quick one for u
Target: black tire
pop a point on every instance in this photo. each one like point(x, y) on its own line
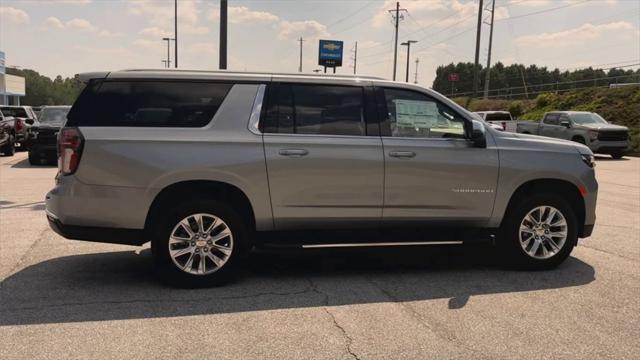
point(165, 267)
point(513, 253)
point(580, 140)
point(33, 158)
point(617, 155)
point(10, 148)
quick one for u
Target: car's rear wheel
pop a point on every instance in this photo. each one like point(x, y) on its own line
point(580, 140)
point(539, 232)
point(617, 155)
point(199, 243)
point(10, 147)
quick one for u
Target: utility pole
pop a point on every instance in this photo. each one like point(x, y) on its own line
point(396, 17)
point(408, 45)
point(168, 40)
point(301, 40)
point(175, 33)
point(476, 63)
point(355, 58)
point(488, 70)
point(223, 34)
point(415, 81)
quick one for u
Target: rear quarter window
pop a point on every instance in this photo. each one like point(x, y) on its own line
point(148, 103)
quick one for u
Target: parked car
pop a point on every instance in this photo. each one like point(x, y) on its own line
point(7, 143)
point(501, 120)
point(43, 145)
point(20, 119)
point(205, 165)
point(583, 127)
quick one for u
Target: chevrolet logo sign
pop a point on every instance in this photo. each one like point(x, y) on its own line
point(331, 46)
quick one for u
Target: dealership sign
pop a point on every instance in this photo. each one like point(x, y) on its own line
point(330, 53)
point(454, 77)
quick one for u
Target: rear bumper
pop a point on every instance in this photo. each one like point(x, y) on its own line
point(47, 151)
point(96, 234)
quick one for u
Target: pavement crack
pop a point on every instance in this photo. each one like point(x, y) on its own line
point(26, 253)
point(348, 339)
point(153, 301)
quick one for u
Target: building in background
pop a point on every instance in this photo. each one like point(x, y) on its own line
point(11, 87)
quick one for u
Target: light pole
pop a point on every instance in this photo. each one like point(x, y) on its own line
point(408, 45)
point(168, 40)
point(175, 33)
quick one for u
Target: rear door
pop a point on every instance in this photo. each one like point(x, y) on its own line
point(324, 155)
point(432, 171)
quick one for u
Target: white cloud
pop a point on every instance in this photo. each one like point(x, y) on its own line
point(70, 2)
point(576, 36)
point(193, 29)
point(150, 44)
point(310, 29)
point(54, 22)
point(13, 15)
point(80, 25)
point(155, 32)
point(161, 13)
point(542, 3)
point(244, 15)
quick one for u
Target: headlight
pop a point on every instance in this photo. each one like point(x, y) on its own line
point(593, 134)
point(589, 160)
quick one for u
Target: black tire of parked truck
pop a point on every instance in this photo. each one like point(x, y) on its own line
point(579, 139)
point(617, 155)
point(512, 240)
point(33, 158)
point(9, 149)
point(201, 222)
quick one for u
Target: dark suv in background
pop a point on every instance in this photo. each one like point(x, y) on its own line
point(42, 147)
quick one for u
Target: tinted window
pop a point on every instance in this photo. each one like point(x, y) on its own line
point(498, 117)
point(551, 119)
point(315, 109)
point(412, 114)
point(148, 104)
point(15, 112)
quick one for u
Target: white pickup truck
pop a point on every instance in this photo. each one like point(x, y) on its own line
point(500, 120)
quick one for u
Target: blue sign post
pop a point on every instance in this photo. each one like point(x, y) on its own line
point(330, 54)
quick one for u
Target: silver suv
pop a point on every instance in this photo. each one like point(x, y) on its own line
point(206, 164)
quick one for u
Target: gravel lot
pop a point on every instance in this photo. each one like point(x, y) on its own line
point(70, 299)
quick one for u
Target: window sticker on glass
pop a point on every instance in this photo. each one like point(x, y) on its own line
point(416, 114)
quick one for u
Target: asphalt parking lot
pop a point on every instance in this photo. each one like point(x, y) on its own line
point(70, 299)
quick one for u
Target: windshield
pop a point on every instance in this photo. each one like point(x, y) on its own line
point(56, 115)
point(15, 112)
point(587, 118)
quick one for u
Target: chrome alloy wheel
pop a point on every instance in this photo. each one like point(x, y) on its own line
point(200, 244)
point(543, 232)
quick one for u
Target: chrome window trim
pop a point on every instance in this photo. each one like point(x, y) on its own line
point(254, 119)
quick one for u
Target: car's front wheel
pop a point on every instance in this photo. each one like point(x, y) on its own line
point(539, 232)
point(617, 155)
point(198, 244)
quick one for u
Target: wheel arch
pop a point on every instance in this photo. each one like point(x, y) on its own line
point(563, 188)
point(199, 189)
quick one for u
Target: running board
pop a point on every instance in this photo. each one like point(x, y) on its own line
point(380, 244)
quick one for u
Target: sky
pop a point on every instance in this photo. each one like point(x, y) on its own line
point(66, 37)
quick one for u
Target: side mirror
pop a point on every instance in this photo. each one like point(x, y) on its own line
point(478, 136)
point(566, 123)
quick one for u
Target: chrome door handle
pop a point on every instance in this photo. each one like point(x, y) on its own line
point(402, 154)
point(293, 152)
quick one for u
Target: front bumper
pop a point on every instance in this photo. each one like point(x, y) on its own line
point(608, 147)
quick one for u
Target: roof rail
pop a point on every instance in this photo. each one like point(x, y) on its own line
point(257, 73)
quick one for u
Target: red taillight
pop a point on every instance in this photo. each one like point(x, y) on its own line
point(504, 126)
point(70, 143)
point(19, 125)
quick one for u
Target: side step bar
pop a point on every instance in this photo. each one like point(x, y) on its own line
point(380, 244)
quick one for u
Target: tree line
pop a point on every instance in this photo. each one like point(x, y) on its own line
point(42, 90)
point(510, 81)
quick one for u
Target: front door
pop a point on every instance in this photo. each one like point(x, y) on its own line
point(323, 168)
point(432, 172)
